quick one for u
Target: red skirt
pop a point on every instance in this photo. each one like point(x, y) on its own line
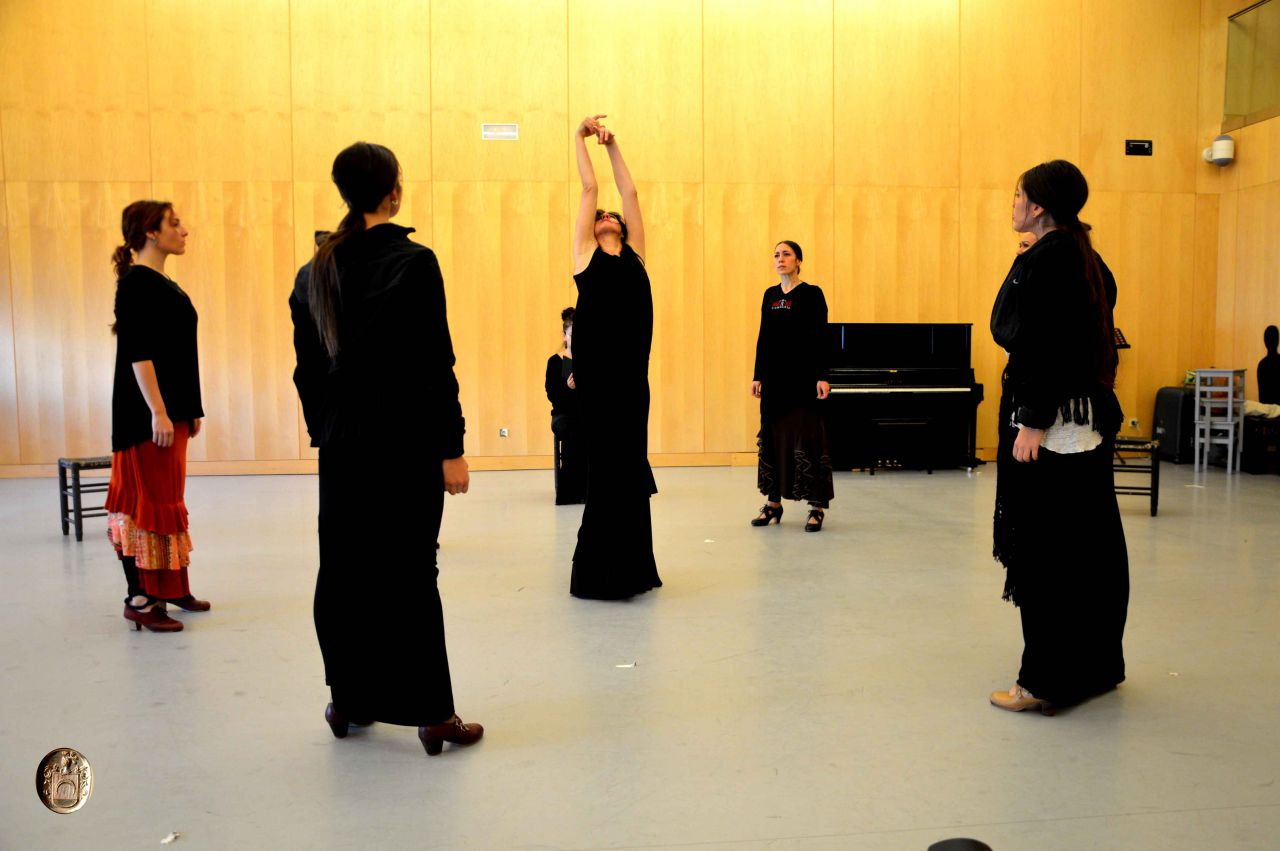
point(146, 514)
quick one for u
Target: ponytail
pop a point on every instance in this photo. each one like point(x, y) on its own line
point(364, 174)
point(1106, 356)
point(122, 259)
point(323, 295)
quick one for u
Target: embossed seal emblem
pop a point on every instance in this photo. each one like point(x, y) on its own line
point(64, 780)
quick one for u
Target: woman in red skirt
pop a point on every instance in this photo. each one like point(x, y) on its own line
point(155, 409)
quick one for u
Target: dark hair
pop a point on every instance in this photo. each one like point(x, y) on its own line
point(566, 318)
point(622, 223)
point(1271, 337)
point(137, 220)
point(1060, 188)
point(795, 246)
point(364, 174)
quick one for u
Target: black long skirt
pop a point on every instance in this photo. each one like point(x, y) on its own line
point(614, 557)
point(794, 457)
point(1059, 535)
point(377, 607)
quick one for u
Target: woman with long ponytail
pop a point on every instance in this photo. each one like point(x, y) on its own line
point(375, 375)
point(1057, 527)
point(155, 410)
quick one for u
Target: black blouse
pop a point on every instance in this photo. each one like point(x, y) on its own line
point(563, 398)
point(155, 321)
point(1044, 317)
point(792, 348)
point(395, 359)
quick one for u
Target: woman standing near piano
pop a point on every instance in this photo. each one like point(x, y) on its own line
point(790, 379)
point(612, 333)
point(1057, 527)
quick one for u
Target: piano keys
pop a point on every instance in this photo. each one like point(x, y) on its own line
point(902, 395)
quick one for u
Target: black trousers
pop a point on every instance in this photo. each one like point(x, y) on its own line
point(377, 607)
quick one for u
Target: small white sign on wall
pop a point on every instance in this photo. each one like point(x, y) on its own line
point(500, 132)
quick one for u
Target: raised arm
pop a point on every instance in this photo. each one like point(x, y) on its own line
point(627, 189)
point(584, 229)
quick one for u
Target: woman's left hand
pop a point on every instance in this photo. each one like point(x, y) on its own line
point(195, 426)
point(1026, 447)
point(824, 389)
point(572, 386)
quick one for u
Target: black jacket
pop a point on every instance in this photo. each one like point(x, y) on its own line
point(155, 321)
point(1045, 319)
point(393, 376)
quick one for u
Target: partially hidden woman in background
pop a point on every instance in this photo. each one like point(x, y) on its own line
point(790, 379)
point(375, 377)
point(1057, 528)
point(566, 419)
point(155, 410)
point(612, 334)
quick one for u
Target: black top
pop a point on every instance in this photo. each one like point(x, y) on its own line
point(1269, 379)
point(564, 399)
point(393, 376)
point(155, 321)
point(1044, 318)
point(793, 346)
point(612, 335)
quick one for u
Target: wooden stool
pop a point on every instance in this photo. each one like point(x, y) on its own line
point(1142, 446)
point(76, 512)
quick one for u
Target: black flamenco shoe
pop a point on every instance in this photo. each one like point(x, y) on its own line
point(815, 514)
point(771, 515)
point(338, 722)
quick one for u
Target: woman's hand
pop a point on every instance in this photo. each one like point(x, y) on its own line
point(161, 429)
point(604, 135)
point(1026, 447)
point(456, 478)
point(755, 389)
point(590, 125)
point(824, 389)
point(195, 426)
point(572, 386)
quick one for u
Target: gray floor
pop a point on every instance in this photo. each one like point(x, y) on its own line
point(788, 690)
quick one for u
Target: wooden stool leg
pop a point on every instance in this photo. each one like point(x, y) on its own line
point(62, 498)
point(1155, 481)
point(75, 502)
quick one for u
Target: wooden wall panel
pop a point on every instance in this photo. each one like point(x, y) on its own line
point(10, 446)
point(743, 224)
point(74, 98)
point(647, 75)
point(1155, 280)
point(767, 90)
point(897, 69)
point(1213, 81)
point(61, 236)
point(1139, 81)
point(507, 271)
point(1257, 279)
point(1225, 304)
point(237, 269)
point(896, 255)
point(1258, 154)
point(1013, 119)
point(1198, 333)
point(219, 90)
point(987, 248)
point(499, 61)
point(371, 83)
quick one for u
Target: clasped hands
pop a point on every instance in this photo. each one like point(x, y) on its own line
point(591, 126)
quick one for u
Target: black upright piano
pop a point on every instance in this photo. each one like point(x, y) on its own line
point(902, 395)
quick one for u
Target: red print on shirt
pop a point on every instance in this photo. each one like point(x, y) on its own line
point(781, 304)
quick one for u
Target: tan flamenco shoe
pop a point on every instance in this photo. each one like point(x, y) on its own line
point(1017, 699)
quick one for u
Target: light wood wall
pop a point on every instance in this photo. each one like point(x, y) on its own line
point(884, 137)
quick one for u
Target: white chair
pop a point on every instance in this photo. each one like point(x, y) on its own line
point(1219, 414)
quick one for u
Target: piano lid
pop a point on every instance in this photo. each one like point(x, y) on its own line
point(900, 345)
